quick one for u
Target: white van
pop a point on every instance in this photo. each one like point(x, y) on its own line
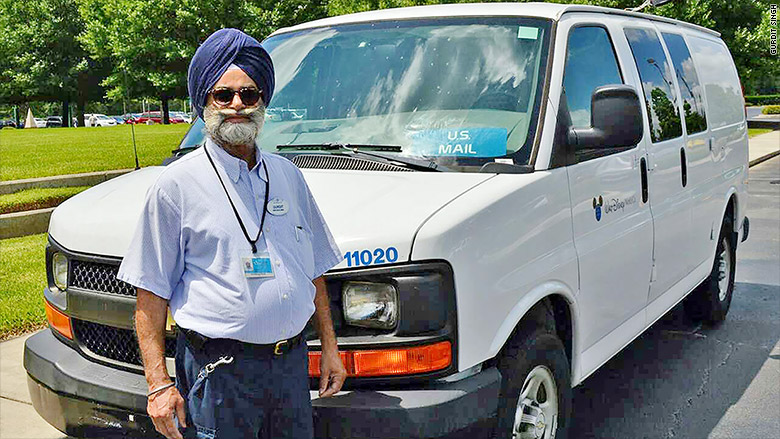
point(98, 120)
point(519, 191)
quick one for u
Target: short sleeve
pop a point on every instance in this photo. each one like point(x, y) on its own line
point(155, 259)
point(326, 253)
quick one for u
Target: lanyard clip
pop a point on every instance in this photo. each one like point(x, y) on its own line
point(209, 368)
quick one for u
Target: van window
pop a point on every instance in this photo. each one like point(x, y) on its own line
point(721, 83)
point(687, 83)
point(656, 72)
point(590, 63)
point(457, 91)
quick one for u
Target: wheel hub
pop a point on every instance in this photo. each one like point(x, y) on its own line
point(540, 425)
point(724, 271)
point(537, 408)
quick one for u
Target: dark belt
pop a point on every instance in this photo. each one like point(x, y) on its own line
point(200, 341)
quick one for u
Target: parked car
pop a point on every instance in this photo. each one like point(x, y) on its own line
point(186, 117)
point(119, 119)
point(155, 117)
point(530, 187)
point(98, 120)
point(40, 122)
point(54, 122)
point(7, 123)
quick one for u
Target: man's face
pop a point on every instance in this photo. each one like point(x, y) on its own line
point(234, 124)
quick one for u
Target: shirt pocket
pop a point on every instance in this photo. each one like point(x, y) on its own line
point(303, 241)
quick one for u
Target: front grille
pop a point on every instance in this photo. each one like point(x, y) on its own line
point(95, 276)
point(114, 343)
point(324, 161)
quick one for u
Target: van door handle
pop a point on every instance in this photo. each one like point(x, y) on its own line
point(683, 167)
point(643, 175)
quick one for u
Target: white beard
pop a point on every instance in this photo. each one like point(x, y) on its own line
point(232, 133)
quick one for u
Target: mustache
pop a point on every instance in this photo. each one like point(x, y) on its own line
point(246, 112)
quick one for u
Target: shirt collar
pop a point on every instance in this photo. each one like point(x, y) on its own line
point(233, 165)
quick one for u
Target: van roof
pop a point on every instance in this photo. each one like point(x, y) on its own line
point(550, 11)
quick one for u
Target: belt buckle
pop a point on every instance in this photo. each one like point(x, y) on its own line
point(278, 347)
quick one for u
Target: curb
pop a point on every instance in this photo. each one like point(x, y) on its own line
point(771, 124)
point(764, 158)
point(17, 224)
point(87, 179)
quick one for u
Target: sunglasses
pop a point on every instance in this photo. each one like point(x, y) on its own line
point(224, 96)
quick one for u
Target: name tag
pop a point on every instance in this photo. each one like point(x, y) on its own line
point(278, 207)
point(257, 265)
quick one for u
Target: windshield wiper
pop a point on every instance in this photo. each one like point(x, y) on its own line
point(359, 149)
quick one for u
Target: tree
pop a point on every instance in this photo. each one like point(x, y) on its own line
point(42, 59)
point(150, 44)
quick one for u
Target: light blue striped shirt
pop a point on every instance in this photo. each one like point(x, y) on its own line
point(188, 246)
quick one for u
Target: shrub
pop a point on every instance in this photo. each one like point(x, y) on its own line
point(764, 99)
point(771, 109)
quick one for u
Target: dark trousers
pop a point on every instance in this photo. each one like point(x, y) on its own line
point(257, 395)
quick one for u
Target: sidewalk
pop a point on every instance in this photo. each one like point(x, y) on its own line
point(763, 147)
point(18, 418)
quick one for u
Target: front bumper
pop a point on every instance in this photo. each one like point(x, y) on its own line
point(83, 398)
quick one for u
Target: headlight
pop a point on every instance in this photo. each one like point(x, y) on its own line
point(59, 269)
point(370, 305)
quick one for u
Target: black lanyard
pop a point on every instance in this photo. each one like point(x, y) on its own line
point(238, 217)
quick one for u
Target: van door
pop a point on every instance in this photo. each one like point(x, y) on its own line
point(670, 199)
point(612, 224)
point(702, 168)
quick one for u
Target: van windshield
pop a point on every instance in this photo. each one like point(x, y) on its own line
point(457, 92)
point(460, 92)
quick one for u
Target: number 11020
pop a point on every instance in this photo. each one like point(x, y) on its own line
point(368, 257)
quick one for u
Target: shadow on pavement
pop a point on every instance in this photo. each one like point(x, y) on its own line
point(678, 379)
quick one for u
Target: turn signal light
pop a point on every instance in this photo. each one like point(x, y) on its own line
point(58, 320)
point(390, 362)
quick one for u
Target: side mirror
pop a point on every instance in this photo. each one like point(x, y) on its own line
point(615, 119)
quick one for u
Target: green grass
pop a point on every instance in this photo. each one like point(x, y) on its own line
point(756, 131)
point(42, 152)
point(22, 279)
point(37, 198)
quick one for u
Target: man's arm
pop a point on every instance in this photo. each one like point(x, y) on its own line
point(332, 371)
point(150, 315)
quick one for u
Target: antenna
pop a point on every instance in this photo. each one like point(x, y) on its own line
point(132, 125)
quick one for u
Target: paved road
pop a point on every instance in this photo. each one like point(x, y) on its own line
point(753, 111)
point(680, 380)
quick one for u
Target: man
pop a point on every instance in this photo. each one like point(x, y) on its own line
point(232, 241)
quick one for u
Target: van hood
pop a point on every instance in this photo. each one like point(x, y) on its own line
point(372, 211)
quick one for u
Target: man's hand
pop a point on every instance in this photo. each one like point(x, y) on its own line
point(332, 373)
point(150, 316)
point(162, 407)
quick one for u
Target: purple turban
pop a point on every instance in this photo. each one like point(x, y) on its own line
point(223, 48)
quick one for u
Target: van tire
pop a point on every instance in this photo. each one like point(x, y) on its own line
point(710, 301)
point(534, 355)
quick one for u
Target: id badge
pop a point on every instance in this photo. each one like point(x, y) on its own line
point(257, 265)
